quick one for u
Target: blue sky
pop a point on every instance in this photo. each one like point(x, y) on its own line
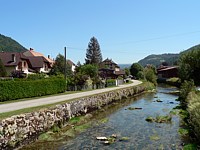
point(127, 30)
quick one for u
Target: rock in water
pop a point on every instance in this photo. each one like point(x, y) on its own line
point(102, 138)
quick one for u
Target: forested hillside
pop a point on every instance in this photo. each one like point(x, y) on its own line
point(157, 60)
point(7, 44)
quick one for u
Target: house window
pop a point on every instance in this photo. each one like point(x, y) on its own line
point(24, 64)
point(46, 67)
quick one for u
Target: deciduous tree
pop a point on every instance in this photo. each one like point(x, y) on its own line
point(59, 66)
point(135, 69)
point(189, 66)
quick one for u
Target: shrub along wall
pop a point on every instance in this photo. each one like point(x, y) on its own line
point(26, 127)
point(194, 113)
point(10, 90)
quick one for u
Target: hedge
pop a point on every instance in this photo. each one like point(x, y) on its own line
point(11, 90)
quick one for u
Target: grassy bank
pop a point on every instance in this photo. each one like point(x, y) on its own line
point(190, 113)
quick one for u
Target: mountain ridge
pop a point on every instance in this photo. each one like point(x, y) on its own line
point(7, 44)
point(169, 58)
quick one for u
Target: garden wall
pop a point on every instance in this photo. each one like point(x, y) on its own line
point(21, 129)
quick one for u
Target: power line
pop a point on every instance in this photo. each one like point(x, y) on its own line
point(159, 38)
point(139, 41)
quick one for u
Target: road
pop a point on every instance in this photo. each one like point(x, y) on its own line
point(59, 98)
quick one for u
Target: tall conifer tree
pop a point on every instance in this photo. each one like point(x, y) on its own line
point(93, 54)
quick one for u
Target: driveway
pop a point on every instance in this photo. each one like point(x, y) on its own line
point(58, 98)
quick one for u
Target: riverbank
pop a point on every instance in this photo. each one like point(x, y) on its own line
point(59, 98)
point(122, 125)
point(22, 129)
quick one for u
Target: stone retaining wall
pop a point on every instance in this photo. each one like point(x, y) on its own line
point(20, 129)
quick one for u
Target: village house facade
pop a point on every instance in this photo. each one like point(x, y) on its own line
point(167, 72)
point(109, 69)
point(28, 62)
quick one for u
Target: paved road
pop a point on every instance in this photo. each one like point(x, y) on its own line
point(58, 98)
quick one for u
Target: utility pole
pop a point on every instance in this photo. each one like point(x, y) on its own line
point(65, 49)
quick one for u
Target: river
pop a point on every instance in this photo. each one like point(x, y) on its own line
point(128, 125)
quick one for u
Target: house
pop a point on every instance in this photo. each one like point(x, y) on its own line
point(14, 61)
point(71, 64)
point(109, 69)
point(33, 53)
point(39, 64)
point(167, 71)
point(27, 62)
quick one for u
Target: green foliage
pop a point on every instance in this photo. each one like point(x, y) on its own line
point(18, 74)
point(135, 69)
point(59, 66)
point(3, 72)
point(93, 54)
point(157, 60)
point(90, 70)
point(160, 119)
point(7, 44)
point(110, 82)
point(83, 73)
point(189, 65)
point(149, 75)
point(183, 132)
point(194, 113)
point(190, 147)
point(10, 90)
point(185, 89)
point(127, 71)
point(36, 76)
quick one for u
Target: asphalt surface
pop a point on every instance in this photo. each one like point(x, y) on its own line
point(59, 98)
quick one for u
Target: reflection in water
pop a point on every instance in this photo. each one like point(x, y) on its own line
point(128, 123)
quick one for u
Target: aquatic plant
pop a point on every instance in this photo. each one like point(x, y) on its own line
point(160, 119)
point(183, 132)
point(154, 137)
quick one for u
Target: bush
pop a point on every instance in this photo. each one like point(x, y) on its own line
point(150, 75)
point(36, 76)
point(110, 82)
point(194, 113)
point(10, 90)
point(185, 89)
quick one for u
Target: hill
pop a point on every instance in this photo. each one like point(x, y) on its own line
point(122, 66)
point(7, 44)
point(196, 47)
point(157, 60)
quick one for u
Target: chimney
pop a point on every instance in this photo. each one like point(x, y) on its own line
point(49, 56)
point(31, 49)
point(13, 58)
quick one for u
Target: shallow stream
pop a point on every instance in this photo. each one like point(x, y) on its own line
point(129, 125)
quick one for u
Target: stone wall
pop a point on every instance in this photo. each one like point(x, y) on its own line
point(20, 129)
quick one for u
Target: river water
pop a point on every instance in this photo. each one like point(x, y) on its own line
point(130, 124)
